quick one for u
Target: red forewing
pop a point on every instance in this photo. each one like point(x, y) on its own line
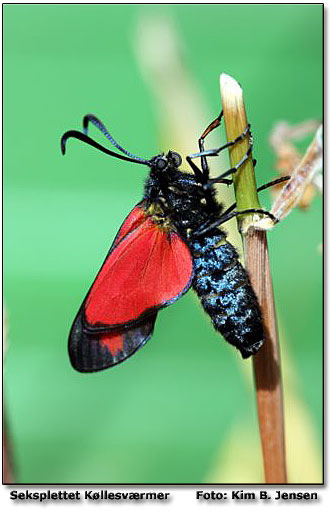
point(148, 267)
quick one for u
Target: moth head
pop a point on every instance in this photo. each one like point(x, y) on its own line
point(174, 158)
point(163, 163)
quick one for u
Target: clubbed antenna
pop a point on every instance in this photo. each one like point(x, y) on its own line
point(87, 140)
point(94, 120)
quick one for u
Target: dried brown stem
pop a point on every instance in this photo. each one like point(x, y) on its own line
point(266, 363)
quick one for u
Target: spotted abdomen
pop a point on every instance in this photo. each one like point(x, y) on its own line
point(223, 287)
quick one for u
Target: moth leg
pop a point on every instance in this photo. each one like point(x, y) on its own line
point(213, 125)
point(225, 217)
point(215, 152)
point(198, 173)
point(236, 167)
point(200, 176)
point(203, 174)
point(274, 182)
point(263, 187)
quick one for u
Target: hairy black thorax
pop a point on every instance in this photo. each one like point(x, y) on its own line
point(184, 201)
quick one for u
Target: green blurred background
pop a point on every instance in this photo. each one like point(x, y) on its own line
point(182, 409)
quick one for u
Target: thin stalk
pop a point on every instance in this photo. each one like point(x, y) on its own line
point(266, 363)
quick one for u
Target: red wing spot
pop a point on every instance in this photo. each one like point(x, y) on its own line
point(113, 342)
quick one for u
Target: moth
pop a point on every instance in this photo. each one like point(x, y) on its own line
point(170, 241)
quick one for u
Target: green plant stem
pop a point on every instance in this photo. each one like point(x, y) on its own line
point(267, 369)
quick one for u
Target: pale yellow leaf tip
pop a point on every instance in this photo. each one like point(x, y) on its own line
point(230, 87)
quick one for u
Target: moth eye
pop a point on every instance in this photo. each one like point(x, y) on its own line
point(176, 158)
point(161, 164)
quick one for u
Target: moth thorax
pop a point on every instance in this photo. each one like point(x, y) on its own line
point(156, 213)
